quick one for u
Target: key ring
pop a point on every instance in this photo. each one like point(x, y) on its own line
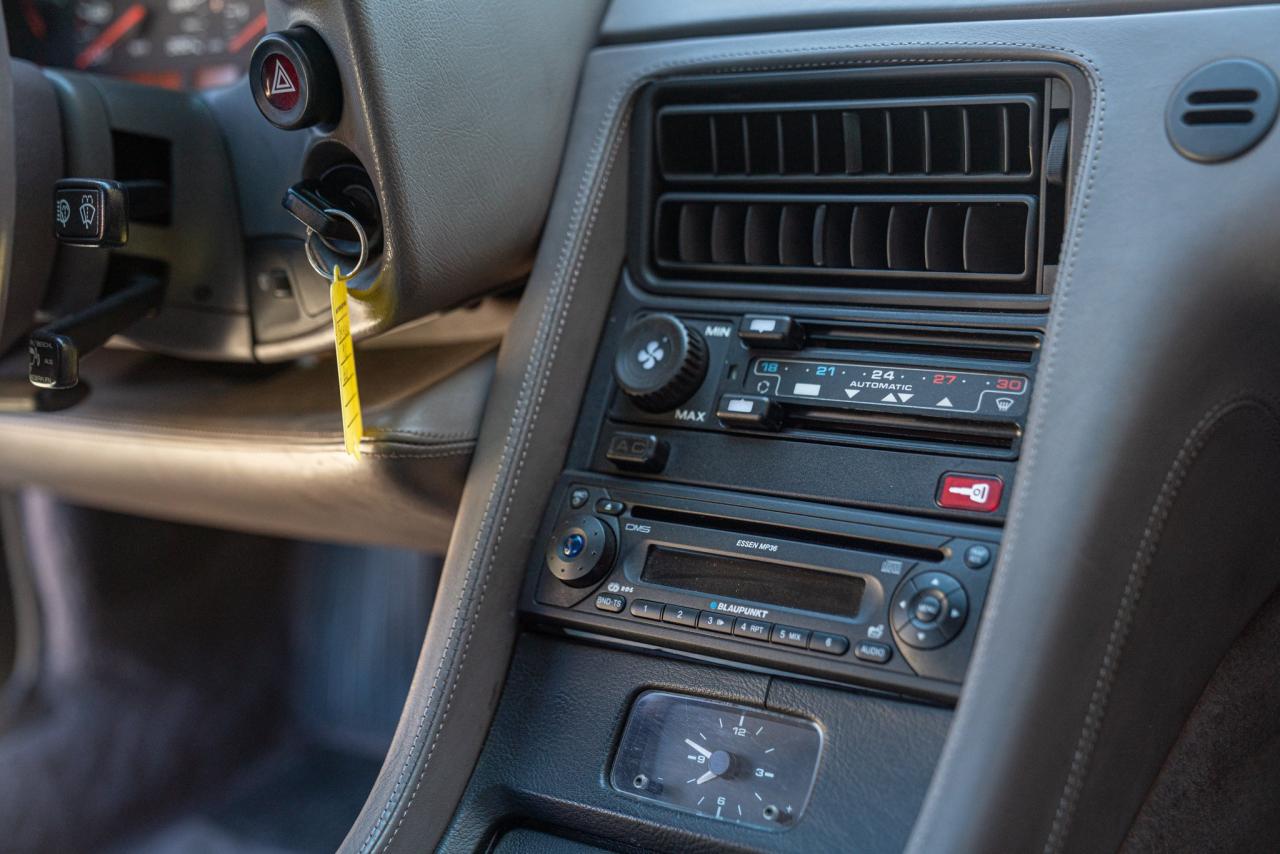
point(314, 259)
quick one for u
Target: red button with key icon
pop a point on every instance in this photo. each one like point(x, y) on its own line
point(970, 492)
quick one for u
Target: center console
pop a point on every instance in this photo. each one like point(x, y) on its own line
point(797, 445)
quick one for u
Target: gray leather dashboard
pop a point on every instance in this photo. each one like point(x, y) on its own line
point(1154, 410)
point(261, 449)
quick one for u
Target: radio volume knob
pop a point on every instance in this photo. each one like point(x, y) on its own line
point(660, 362)
point(581, 551)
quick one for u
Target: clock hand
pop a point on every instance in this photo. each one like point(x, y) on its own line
point(710, 775)
point(706, 754)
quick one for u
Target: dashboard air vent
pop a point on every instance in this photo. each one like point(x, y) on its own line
point(849, 185)
point(906, 139)
point(953, 237)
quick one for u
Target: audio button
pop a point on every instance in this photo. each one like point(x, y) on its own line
point(876, 653)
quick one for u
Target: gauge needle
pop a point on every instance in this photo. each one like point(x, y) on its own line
point(706, 754)
point(710, 775)
point(115, 31)
point(254, 28)
point(35, 21)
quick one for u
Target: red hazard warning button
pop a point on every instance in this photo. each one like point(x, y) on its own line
point(281, 82)
point(970, 492)
point(294, 79)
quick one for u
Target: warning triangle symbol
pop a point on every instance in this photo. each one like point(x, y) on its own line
point(945, 402)
point(280, 80)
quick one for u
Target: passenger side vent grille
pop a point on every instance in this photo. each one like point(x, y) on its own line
point(847, 186)
point(930, 139)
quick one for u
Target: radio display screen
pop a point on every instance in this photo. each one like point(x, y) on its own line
point(755, 581)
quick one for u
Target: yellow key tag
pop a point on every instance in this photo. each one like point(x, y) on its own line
point(348, 388)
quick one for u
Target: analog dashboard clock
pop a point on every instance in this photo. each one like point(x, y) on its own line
point(719, 760)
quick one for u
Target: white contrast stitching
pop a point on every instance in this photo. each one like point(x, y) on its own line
point(1174, 479)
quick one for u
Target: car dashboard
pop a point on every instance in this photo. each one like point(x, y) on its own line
point(848, 426)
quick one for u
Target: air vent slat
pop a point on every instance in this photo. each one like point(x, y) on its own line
point(906, 237)
point(944, 238)
point(714, 144)
point(795, 236)
point(813, 140)
point(993, 238)
point(836, 236)
point(868, 237)
point(887, 120)
point(762, 234)
point(817, 236)
point(727, 229)
point(927, 141)
point(695, 226)
point(852, 126)
point(1004, 139)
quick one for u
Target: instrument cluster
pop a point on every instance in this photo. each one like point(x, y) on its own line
point(176, 44)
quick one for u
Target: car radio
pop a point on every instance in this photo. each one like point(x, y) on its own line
point(836, 593)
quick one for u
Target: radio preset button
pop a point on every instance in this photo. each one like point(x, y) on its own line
point(611, 602)
point(754, 629)
point(830, 644)
point(748, 410)
point(789, 636)
point(710, 621)
point(646, 610)
point(876, 653)
point(770, 331)
point(680, 615)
